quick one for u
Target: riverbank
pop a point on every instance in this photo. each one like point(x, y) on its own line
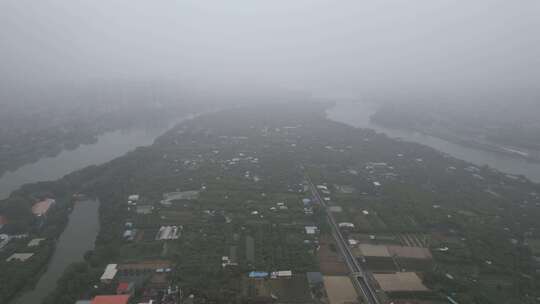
point(107, 147)
point(78, 237)
point(20, 190)
point(357, 114)
point(471, 142)
point(399, 188)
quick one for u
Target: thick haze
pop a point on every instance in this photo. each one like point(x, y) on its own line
point(462, 50)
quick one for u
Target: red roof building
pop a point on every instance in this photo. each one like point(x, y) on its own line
point(40, 208)
point(116, 299)
point(124, 288)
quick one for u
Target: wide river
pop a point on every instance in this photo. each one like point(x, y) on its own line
point(357, 114)
point(107, 147)
point(83, 225)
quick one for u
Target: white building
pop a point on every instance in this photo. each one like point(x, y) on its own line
point(133, 197)
point(346, 225)
point(168, 233)
point(35, 242)
point(22, 257)
point(281, 274)
point(310, 230)
point(109, 273)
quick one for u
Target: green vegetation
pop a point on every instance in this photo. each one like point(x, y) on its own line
point(248, 163)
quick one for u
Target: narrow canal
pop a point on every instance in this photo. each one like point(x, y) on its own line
point(83, 226)
point(77, 238)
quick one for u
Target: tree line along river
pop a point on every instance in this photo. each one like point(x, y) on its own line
point(357, 114)
point(83, 225)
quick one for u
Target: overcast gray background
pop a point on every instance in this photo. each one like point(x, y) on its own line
point(465, 49)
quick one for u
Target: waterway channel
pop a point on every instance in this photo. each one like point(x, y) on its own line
point(357, 114)
point(83, 226)
point(107, 147)
point(77, 238)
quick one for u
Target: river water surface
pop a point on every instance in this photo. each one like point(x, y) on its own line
point(77, 238)
point(357, 114)
point(83, 225)
point(107, 147)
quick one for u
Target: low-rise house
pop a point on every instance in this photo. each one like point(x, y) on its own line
point(42, 207)
point(281, 274)
point(35, 242)
point(226, 261)
point(134, 197)
point(311, 230)
point(111, 299)
point(21, 257)
point(109, 274)
point(168, 233)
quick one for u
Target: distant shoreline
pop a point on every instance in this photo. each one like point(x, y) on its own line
point(471, 143)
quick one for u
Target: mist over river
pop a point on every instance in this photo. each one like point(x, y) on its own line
point(107, 147)
point(357, 114)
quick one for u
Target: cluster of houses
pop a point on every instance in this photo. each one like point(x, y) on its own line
point(282, 274)
point(39, 209)
point(169, 197)
point(168, 233)
point(140, 207)
point(149, 277)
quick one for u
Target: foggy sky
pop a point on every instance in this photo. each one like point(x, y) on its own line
point(464, 49)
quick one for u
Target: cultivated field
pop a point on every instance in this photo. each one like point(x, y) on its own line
point(330, 262)
point(340, 290)
point(400, 281)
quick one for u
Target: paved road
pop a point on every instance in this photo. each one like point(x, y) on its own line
point(359, 276)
